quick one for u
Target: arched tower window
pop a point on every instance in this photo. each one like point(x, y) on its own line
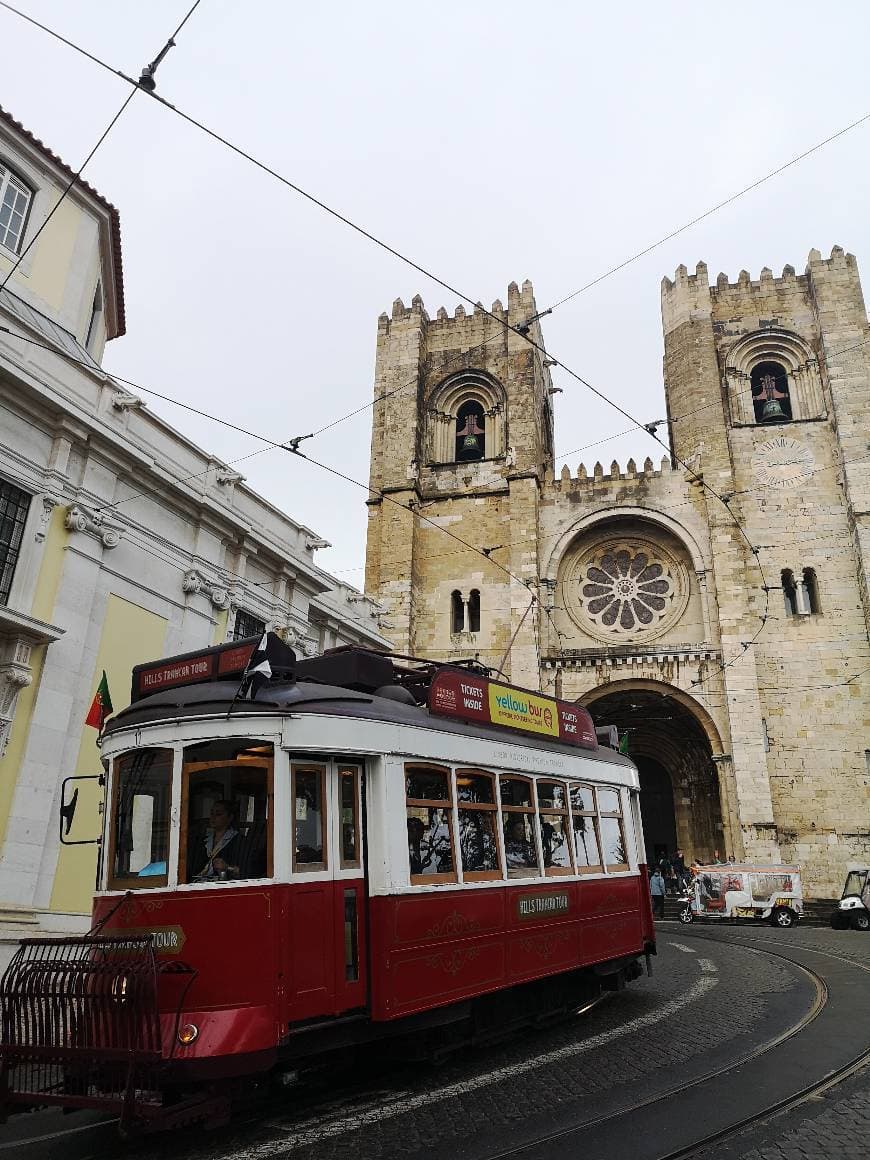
point(470, 432)
point(789, 592)
point(474, 610)
point(457, 612)
point(792, 363)
point(811, 587)
point(770, 393)
point(466, 419)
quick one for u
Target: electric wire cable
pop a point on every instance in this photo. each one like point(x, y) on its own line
point(708, 213)
point(69, 185)
point(284, 446)
point(521, 332)
point(77, 175)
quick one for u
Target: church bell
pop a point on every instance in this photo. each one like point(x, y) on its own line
point(469, 443)
point(772, 412)
point(470, 448)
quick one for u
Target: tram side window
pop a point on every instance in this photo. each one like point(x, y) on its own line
point(585, 825)
point(612, 829)
point(226, 798)
point(518, 812)
point(348, 789)
point(140, 820)
point(429, 817)
point(309, 819)
point(553, 821)
point(478, 818)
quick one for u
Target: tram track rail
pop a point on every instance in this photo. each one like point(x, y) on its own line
point(359, 1103)
point(302, 1134)
point(759, 1116)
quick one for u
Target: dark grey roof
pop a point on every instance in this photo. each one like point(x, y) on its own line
point(215, 698)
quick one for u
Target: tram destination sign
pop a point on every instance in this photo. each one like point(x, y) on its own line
point(481, 701)
point(210, 664)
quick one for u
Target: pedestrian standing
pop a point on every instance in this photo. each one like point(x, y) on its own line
point(679, 864)
point(657, 891)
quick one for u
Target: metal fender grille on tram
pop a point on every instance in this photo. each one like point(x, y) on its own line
point(80, 1023)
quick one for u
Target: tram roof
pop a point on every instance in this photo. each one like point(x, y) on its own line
point(214, 698)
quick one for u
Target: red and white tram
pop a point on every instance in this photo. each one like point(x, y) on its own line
point(365, 847)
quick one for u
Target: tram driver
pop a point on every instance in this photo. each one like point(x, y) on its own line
point(218, 857)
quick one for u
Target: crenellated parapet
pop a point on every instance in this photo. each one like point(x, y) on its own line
point(690, 297)
point(520, 307)
point(614, 476)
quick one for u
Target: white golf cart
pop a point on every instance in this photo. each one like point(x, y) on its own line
point(739, 892)
point(853, 908)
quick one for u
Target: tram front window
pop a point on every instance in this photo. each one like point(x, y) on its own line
point(226, 790)
point(140, 820)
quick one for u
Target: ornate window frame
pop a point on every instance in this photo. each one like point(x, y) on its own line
point(443, 408)
point(793, 354)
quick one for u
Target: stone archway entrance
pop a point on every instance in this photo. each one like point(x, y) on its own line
point(672, 746)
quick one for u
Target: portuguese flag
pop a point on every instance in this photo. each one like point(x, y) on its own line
point(101, 705)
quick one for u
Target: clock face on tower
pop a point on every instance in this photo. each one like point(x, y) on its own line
point(782, 462)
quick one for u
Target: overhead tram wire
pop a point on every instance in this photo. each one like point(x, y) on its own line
point(522, 333)
point(274, 444)
point(69, 185)
point(377, 241)
point(295, 451)
point(77, 175)
point(707, 213)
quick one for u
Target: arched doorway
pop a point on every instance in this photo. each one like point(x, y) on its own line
point(659, 813)
point(672, 742)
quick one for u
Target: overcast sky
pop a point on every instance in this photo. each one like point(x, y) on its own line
point(491, 142)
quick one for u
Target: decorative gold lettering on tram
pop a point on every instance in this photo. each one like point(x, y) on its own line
point(543, 905)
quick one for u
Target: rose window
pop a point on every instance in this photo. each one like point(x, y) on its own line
point(626, 590)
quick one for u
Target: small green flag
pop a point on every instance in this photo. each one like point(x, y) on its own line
point(101, 706)
point(623, 745)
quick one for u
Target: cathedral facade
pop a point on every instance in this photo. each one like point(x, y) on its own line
point(713, 604)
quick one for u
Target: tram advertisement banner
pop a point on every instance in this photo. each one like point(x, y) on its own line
point(476, 699)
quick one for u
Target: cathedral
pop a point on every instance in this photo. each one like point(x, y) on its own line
point(713, 605)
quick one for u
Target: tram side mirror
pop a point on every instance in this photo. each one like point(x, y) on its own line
point(69, 804)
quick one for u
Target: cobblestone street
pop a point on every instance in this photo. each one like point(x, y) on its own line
point(611, 1081)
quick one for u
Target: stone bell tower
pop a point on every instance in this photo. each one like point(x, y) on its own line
point(462, 437)
point(768, 394)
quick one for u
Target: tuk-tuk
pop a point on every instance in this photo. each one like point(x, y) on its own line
point(853, 909)
point(738, 891)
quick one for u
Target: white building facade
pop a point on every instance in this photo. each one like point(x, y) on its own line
point(120, 540)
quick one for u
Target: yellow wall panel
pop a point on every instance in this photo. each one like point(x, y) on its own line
point(54, 253)
point(130, 635)
point(42, 608)
point(220, 628)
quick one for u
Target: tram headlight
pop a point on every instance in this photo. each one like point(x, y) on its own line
point(187, 1034)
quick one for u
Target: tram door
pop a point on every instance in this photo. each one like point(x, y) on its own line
point(327, 967)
